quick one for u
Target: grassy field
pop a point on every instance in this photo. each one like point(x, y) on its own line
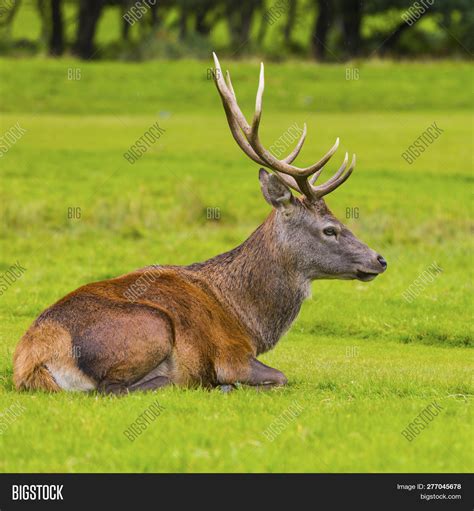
point(362, 362)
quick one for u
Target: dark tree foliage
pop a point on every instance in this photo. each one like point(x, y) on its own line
point(334, 29)
point(8, 11)
point(240, 16)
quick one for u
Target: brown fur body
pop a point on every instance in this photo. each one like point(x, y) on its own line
point(176, 325)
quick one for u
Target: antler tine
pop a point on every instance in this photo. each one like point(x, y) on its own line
point(248, 140)
point(239, 138)
point(314, 177)
point(264, 154)
point(289, 181)
point(256, 123)
point(229, 84)
point(335, 182)
point(229, 100)
point(258, 114)
point(233, 115)
point(258, 101)
point(292, 156)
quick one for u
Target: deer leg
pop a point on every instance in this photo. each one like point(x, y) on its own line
point(143, 385)
point(263, 376)
point(155, 379)
point(112, 388)
point(256, 374)
point(152, 384)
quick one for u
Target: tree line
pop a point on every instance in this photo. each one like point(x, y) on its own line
point(335, 29)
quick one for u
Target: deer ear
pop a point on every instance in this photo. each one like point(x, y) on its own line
point(276, 193)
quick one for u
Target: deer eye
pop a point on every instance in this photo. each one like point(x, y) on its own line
point(330, 231)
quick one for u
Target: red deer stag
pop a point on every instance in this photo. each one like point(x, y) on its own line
point(204, 324)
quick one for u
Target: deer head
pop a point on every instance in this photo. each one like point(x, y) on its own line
point(309, 236)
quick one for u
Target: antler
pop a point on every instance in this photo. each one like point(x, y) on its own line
point(300, 179)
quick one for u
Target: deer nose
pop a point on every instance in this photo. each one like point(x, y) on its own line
point(382, 261)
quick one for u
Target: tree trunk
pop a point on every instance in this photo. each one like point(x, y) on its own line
point(321, 28)
point(155, 20)
point(125, 30)
point(351, 21)
point(56, 41)
point(202, 26)
point(89, 14)
point(239, 19)
point(392, 39)
point(290, 22)
point(43, 12)
point(125, 8)
point(183, 24)
point(262, 30)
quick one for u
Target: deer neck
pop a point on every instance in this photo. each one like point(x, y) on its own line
point(258, 285)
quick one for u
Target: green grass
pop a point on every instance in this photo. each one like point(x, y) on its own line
point(354, 408)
